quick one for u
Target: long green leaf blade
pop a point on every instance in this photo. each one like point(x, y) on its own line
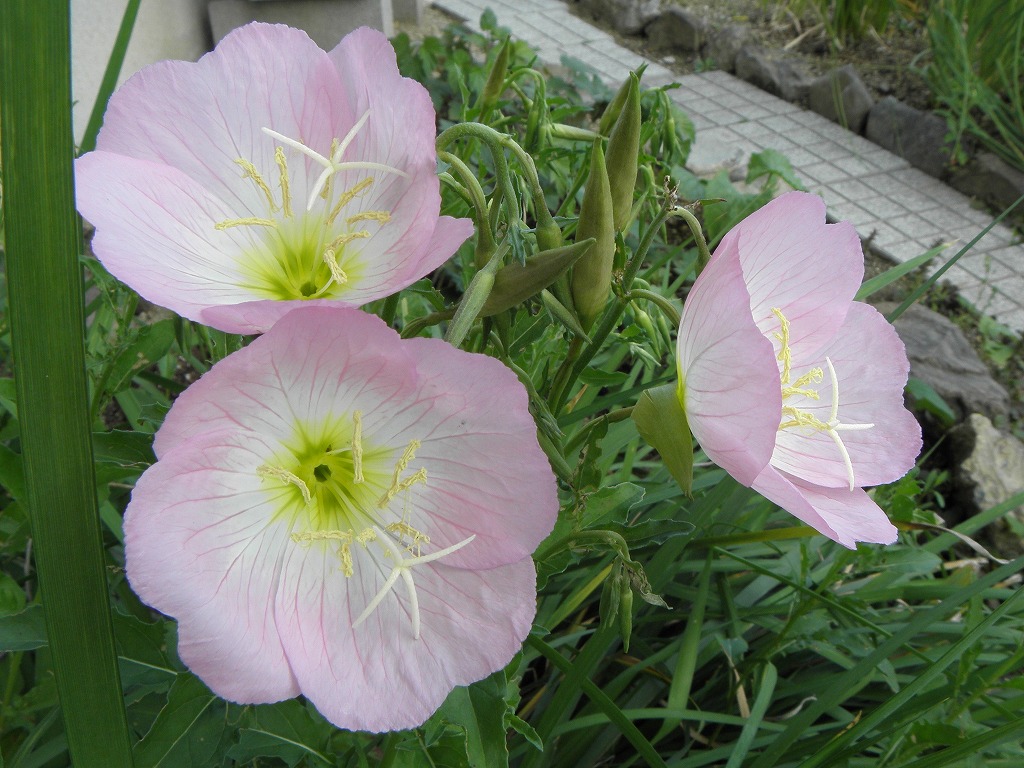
point(46, 314)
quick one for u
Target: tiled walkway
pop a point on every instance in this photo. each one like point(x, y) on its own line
point(901, 209)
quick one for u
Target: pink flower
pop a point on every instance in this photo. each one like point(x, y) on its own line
point(790, 385)
point(347, 515)
point(268, 174)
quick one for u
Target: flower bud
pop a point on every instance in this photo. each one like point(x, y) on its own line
point(495, 84)
point(592, 275)
point(623, 153)
point(515, 283)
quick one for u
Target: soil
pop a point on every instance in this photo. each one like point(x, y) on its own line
point(887, 62)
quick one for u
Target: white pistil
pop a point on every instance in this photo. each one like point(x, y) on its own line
point(333, 164)
point(834, 426)
point(403, 568)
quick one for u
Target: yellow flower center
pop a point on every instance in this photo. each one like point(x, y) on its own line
point(308, 256)
point(334, 489)
point(794, 417)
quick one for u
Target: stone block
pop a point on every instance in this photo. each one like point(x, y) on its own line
point(991, 179)
point(325, 21)
point(626, 16)
point(675, 29)
point(842, 97)
point(783, 77)
point(919, 137)
point(724, 44)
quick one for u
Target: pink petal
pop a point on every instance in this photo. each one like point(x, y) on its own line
point(792, 260)
point(844, 516)
point(201, 117)
point(486, 473)
point(202, 546)
point(318, 362)
point(376, 677)
point(871, 365)
point(728, 372)
point(155, 230)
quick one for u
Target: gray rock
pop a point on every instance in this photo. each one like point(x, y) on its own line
point(941, 356)
point(842, 97)
point(723, 45)
point(675, 29)
point(919, 137)
point(627, 16)
point(783, 77)
point(989, 178)
point(989, 472)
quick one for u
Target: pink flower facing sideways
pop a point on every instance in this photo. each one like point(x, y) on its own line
point(788, 383)
point(266, 175)
point(347, 515)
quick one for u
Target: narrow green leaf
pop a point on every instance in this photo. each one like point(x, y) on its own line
point(42, 234)
point(891, 275)
point(765, 689)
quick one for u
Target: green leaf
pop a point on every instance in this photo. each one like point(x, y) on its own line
point(150, 343)
point(12, 473)
point(771, 162)
point(286, 730)
point(8, 398)
point(928, 400)
point(12, 596)
point(186, 732)
point(479, 712)
point(23, 631)
point(891, 275)
point(661, 420)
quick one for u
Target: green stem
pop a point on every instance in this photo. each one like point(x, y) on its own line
point(664, 304)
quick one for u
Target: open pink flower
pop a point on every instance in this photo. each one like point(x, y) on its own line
point(347, 515)
point(790, 385)
point(268, 174)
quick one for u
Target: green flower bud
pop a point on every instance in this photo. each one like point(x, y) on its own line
point(495, 84)
point(611, 113)
point(517, 282)
point(592, 275)
point(625, 612)
point(624, 152)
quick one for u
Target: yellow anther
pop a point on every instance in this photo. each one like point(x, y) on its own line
point(282, 164)
point(338, 275)
point(279, 473)
point(784, 356)
point(357, 447)
point(257, 179)
point(326, 191)
point(251, 221)
point(406, 531)
point(365, 536)
point(347, 197)
point(308, 537)
point(381, 217)
point(397, 486)
point(344, 551)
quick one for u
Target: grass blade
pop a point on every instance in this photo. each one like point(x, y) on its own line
point(46, 317)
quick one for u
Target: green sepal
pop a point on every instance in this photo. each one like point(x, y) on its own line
point(495, 84)
point(661, 420)
point(624, 153)
point(517, 282)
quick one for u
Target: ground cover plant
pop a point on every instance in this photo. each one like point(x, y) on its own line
point(386, 486)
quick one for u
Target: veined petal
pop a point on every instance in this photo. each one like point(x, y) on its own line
point(728, 373)
point(320, 362)
point(155, 228)
point(204, 547)
point(486, 474)
point(871, 366)
point(376, 677)
point(792, 260)
point(844, 516)
point(201, 117)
